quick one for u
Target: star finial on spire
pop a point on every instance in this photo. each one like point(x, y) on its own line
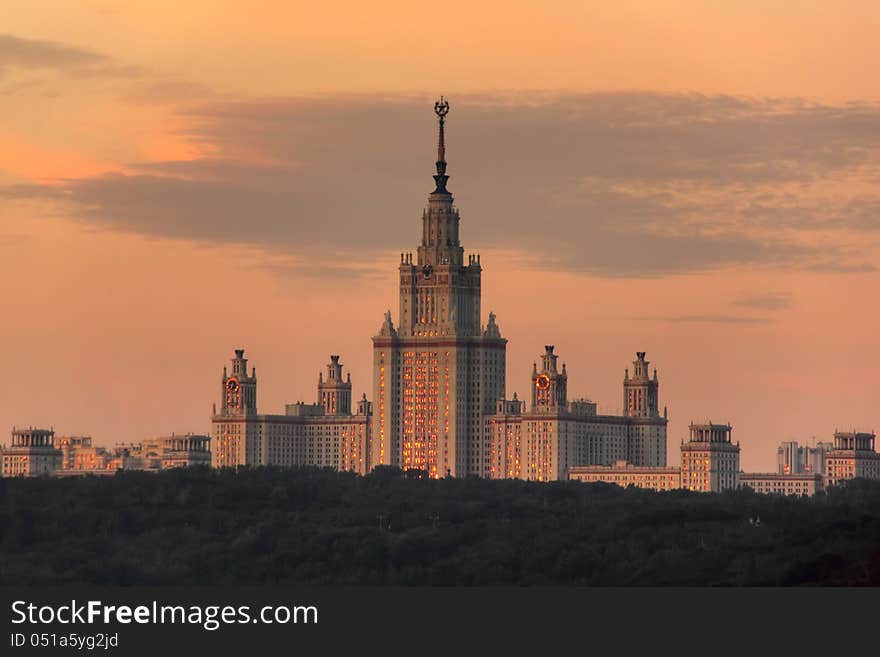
point(441, 109)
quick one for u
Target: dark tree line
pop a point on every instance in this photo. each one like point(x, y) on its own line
point(310, 526)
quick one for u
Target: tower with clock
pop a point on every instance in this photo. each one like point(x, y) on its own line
point(438, 374)
point(239, 393)
point(549, 385)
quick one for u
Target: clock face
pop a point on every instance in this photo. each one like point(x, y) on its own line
point(426, 270)
point(543, 382)
point(232, 385)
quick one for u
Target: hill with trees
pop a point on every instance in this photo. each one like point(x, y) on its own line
point(197, 526)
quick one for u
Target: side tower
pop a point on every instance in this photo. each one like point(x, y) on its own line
point(639, 391)
point(234, 435)
point(334, 394)
point(549, 385)
point(239, 390)
point(438, 374)
point(646, 436)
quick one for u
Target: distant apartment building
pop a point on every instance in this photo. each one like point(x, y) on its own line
point(32, 453)
point(325, 434)
point(792, 458)
point(709, 459)
point(625, 474)
point(774, 483)
point(80, 457)
point(853, 455)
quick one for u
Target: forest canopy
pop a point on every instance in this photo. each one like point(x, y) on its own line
point(198, 526)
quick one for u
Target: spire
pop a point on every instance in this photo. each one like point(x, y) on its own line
point(441, 109)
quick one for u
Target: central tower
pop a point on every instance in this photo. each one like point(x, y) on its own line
point(439, 373)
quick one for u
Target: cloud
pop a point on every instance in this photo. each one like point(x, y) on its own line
point(705, 319)
point(341, 266)
point(30, 54)
point(611, 184)
point(765, 301)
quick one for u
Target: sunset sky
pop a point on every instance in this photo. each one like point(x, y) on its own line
point(698, 180)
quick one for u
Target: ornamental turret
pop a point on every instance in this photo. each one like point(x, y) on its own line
point(549, 385)
point(640, 391)
point(334, 393)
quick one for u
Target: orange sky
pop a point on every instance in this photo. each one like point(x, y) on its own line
point(122, 304)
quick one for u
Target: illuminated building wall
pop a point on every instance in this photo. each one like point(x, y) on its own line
point(506, 445)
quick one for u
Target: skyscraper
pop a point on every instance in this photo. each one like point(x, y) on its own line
point(438, 390)
point(438, 373)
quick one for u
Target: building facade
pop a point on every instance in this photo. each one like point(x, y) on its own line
point(554, 435)
point(324, 434)
point(438, 373)
point(625, 474)
point(32, 453)
point(174, 451)
point(709, 460)
point(774, 483)
point(852, 456)
point(79, 455)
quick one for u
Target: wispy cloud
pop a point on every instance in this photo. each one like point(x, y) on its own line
point(21, 53)
point(765, 301)
point(704, 319)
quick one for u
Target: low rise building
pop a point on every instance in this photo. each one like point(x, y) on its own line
point(625, 474)
point(774, 483)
